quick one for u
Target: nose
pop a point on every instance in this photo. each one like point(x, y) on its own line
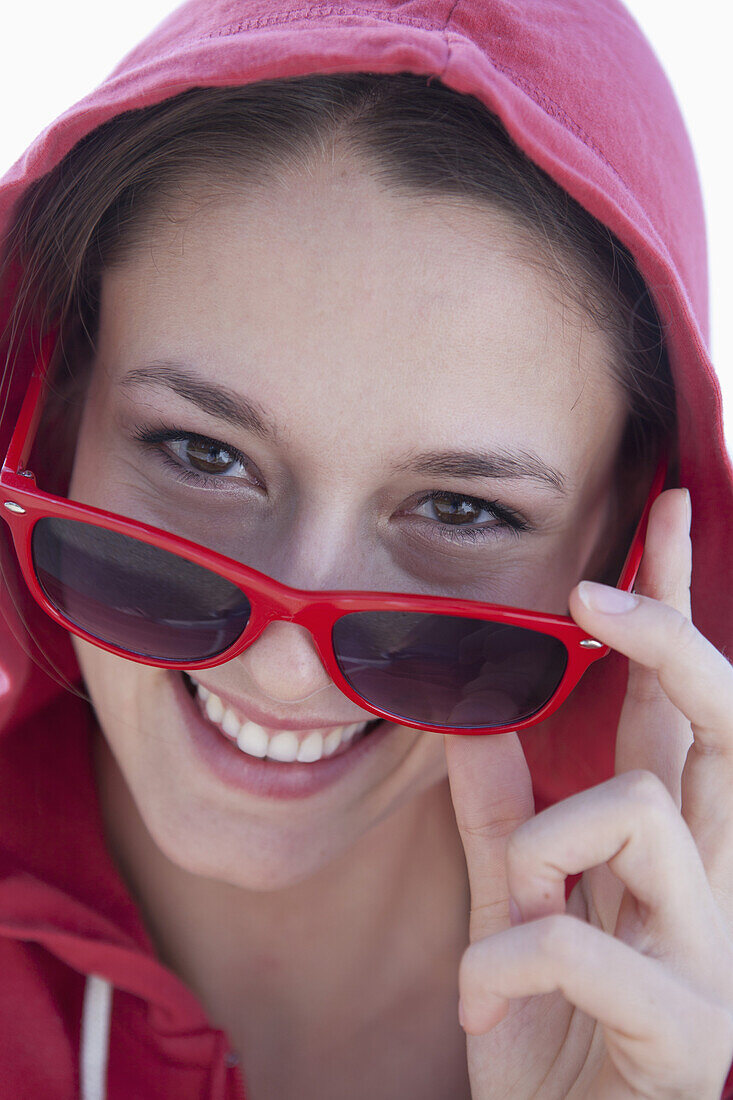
point(284, 665)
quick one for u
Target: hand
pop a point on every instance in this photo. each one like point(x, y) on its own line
point(626, 991)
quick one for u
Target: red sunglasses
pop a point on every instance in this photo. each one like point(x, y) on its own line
point(431, 662)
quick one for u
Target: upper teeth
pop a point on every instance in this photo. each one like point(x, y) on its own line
point(283, 745)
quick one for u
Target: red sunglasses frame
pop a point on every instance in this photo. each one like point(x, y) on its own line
point(24, 504)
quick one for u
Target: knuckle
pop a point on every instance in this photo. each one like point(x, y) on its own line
point(496, 828)
point(647, 795)
point(554, 935)
point(644, 687)
point(680, 633)
point(673, 591)
point(487, 916)
point(518, 848)
point(673, 635)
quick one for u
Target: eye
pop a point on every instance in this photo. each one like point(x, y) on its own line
point(206, 455)
point(464, 517)
point(198, 458)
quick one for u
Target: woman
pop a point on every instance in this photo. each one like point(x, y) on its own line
point(337, 333)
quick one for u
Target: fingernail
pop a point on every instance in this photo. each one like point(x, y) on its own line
point(689, 509)
point(603, 598)
point(461, 1017)
point(515, 915)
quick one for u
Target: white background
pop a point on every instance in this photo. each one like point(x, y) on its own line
point(52, 54)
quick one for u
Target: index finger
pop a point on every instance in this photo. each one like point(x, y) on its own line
point(695, 677)
point(653, 734)
point(698, 680)
point(491, 789)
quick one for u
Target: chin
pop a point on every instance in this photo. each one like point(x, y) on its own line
point(251, 855)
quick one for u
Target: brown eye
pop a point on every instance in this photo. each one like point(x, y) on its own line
point(199, 456)
point(208, 457)
point(456, 509)
point(462, 519)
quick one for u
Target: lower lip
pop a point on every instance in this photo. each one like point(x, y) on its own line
point(267, 778)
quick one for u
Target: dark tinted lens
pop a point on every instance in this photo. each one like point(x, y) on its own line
point(134, 595)
point(448, 671)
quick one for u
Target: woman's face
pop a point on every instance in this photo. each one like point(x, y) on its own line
point(384, 341)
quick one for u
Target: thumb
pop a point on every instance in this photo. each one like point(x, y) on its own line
point(491, 789)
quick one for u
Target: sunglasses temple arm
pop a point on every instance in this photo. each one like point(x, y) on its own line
point(633, 559)
point(24, 434)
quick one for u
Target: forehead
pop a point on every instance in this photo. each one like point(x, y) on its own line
point(342, 305)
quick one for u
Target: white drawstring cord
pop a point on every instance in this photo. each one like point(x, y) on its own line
point(95, 1023)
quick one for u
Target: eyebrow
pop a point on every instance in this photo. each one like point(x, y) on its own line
point(495, 465)
point(221, 402)
point(235, 409)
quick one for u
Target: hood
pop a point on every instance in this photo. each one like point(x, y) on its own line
point(579, 89)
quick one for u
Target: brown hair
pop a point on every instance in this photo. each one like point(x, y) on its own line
point(413, 133)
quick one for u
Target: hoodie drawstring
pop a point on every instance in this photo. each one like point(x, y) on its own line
point(95, 1023)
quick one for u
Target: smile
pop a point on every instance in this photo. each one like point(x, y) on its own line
point(304, 746)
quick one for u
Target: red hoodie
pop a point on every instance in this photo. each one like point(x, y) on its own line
point(580, 91)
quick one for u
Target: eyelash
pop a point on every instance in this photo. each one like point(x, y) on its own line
point(508, 520)
point(153, 437)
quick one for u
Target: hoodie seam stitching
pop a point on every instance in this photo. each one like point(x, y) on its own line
point(548, 104)
point(319, 10)
point(554, 110)
point(543, 100)
point(446, 38)
point(449, 16)
point(539, 97)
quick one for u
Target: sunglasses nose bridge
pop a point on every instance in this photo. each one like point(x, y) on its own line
point(313, 611)
point(285, 604)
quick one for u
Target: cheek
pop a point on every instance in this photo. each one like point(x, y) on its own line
point(573, 555)
point(549, 585)
point(118, 690)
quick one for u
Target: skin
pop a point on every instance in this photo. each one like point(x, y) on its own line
point(371, 325)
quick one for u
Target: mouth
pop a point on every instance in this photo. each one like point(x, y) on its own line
point(283, 746)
